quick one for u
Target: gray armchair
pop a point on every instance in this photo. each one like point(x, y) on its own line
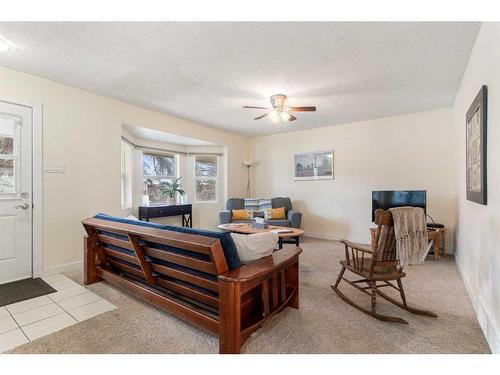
point(232, 204)
point(293, 218)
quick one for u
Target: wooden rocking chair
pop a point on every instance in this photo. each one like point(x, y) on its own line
point(378, 265)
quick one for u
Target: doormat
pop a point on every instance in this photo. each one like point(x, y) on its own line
point(22, 290)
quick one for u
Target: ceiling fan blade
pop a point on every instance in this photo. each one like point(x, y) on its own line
point(302, 109)
point(291, 117)
point(250, 106)
point(261, 116)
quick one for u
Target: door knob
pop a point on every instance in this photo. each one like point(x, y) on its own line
point(23, 206)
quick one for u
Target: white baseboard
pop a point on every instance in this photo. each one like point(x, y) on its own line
point(68, 267)
point(492, 338)
point(321, 236)
point(334, 237)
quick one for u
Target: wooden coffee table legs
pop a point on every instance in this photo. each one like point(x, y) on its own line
point(294, 240)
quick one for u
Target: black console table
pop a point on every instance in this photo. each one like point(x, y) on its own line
point(184, 210)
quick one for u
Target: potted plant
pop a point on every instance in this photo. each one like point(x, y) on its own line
point(170, 189)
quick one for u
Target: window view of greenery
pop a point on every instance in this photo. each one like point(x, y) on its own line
point(206, 168)
point(6, 145)
point(157, 169)
point(205, 191)
point(206, 178)
point(6, 164)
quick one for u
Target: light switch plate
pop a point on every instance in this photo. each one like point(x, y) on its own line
point(53, 168)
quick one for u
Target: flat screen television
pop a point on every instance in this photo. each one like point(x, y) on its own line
point(398, 198)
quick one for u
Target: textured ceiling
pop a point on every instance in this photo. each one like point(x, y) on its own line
point(205, 72)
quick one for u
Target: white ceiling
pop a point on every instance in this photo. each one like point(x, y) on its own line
point(205, 72)
point(159, 136)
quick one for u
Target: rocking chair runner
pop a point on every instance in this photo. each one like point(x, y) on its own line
point(378, 265)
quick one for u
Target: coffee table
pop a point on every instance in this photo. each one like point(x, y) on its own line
point(294, 233)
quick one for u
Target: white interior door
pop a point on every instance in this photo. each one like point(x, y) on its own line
point(16, 206)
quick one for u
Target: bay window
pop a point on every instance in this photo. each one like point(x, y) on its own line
point(205, 170)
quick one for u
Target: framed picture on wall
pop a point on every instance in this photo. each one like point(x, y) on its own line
point(313, 166)
point(476, 173)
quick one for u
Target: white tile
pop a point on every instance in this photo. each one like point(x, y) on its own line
point(77, 301)
point(3, 312)
point(63, 284)
point(29, 304)
point(91, 310)
point(48, 326)
point(67, 293)
point(10, 340)
point(31, 316)
point(7, 324)
point(54, 278)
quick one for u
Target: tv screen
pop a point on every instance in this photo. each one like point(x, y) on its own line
point(398, 198)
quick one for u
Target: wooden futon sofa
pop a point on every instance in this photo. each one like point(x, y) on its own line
point(193, 274)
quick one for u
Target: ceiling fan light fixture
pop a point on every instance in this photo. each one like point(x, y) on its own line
point(285, 116)
point(4, 46)
point(280, 111)
point(274, 116)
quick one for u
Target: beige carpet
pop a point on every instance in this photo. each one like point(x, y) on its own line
point(323, 324)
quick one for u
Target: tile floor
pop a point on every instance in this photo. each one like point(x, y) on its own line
point(28, 320)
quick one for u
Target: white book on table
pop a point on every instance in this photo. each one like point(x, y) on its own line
point(282, 231)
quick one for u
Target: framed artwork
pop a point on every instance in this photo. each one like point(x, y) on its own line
point(313, 166)
point(475, 121)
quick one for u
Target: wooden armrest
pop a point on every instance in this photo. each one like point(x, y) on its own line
point(262, 267)
point(358, 246)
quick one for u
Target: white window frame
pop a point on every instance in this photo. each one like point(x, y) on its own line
point(165, 177)
point(204, 178)
point(126, 179)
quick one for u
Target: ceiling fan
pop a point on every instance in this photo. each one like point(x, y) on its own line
point(279, 109)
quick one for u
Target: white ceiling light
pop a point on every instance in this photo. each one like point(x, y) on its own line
point(285, 116)
point(274, 116)
point(4, 46)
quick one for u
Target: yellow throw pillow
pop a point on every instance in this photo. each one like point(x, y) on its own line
point(240, 214)
point(278, 213)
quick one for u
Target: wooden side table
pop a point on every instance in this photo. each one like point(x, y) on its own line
point(436, 234)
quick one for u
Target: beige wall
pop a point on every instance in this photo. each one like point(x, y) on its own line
point(478, 247)
point(412, 151)
point(82, 130)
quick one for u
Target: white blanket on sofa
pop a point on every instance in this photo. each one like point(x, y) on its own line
point(254, 246)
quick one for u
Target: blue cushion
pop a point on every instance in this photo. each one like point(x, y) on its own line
point(228, 246)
